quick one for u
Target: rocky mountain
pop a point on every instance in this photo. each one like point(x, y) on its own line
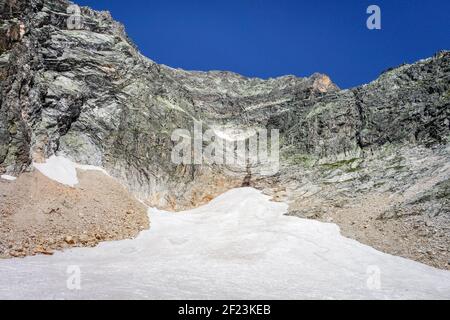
point(373, 159)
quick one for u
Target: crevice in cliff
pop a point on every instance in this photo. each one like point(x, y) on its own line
point(361, 118)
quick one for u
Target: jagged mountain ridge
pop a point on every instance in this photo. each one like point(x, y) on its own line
point(91, 95)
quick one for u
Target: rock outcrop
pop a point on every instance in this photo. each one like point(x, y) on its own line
point(89, 94)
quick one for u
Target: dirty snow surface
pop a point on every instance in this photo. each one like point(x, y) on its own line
point(240, 246)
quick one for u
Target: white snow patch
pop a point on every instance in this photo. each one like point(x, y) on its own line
point(63, 170)
point(59, 169)
point(239, 246)
point(7, 177)
point(234, 134)
point(86, 167)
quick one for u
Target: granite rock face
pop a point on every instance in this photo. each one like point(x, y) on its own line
point(89, 94)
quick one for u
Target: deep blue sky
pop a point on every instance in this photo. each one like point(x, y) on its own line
point(269, 38)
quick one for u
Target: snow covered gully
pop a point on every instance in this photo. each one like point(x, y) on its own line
point(239, 246)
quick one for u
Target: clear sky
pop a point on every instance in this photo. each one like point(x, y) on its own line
point(269, 38)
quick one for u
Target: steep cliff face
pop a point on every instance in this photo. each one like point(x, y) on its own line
point(408, 104)
point(89, 94)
